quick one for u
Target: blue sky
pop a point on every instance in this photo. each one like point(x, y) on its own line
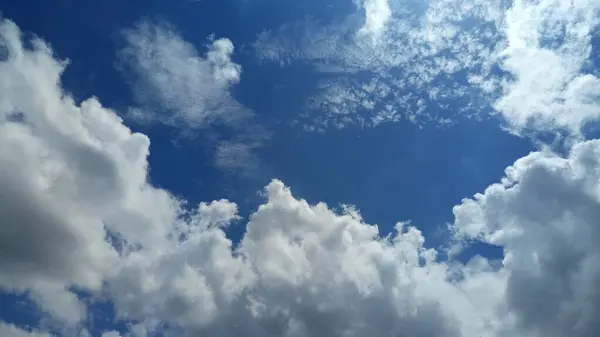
point(167, 179)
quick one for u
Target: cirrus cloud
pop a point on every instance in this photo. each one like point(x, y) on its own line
point(177, 85)
point(445, 60)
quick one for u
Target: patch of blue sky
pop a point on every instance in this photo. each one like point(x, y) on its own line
point(16, 308)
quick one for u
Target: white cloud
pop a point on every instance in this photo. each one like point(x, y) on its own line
point(548, 43)
point(414, 72)
point(71, 173)
point(451, 59)
point(176, 85)
point(300, 270)
point(9, 330)
point(377, 15)
point(68, 173)
point(544, 214)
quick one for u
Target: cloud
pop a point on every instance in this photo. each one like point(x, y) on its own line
point(111, 334)
point(544, 215)
point(419, 67)
point(296, 271)
point(176, 85)
point(377, 15)
point(8, 330)
point(78, 213)
point(447, 60)
point(70, 174)
point(548, 46)
point(304, 270)
point(186, 87)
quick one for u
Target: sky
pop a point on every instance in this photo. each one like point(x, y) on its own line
point(341, 168)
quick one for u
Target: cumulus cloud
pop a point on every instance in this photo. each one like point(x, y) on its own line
point(445, 60)
point(9, 330)
point(377, 15)
point(548, 47)
point(70, 174)
point(300, 270)
point(111, 334)
point(78, 212)
point(544, 213)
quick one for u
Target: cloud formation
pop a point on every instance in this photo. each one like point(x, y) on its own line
point(547, 50)
point(186, 87)
point(445, 60)
point(377, 15)
point(544, 215)
point(176, 85)
point(8, 330)
point(77, 212)
point(69, 174)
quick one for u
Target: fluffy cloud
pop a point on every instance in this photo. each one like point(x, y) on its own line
point(447, 60)
point(69, 174)
point(77, 211)
point(111, 334)
point(377, 15)
point(7, 330)
point(548, 47)
point(300, 270)
point(544, 213)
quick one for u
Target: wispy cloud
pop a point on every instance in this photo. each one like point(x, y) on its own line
point(445, 60)
point(177, 85)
